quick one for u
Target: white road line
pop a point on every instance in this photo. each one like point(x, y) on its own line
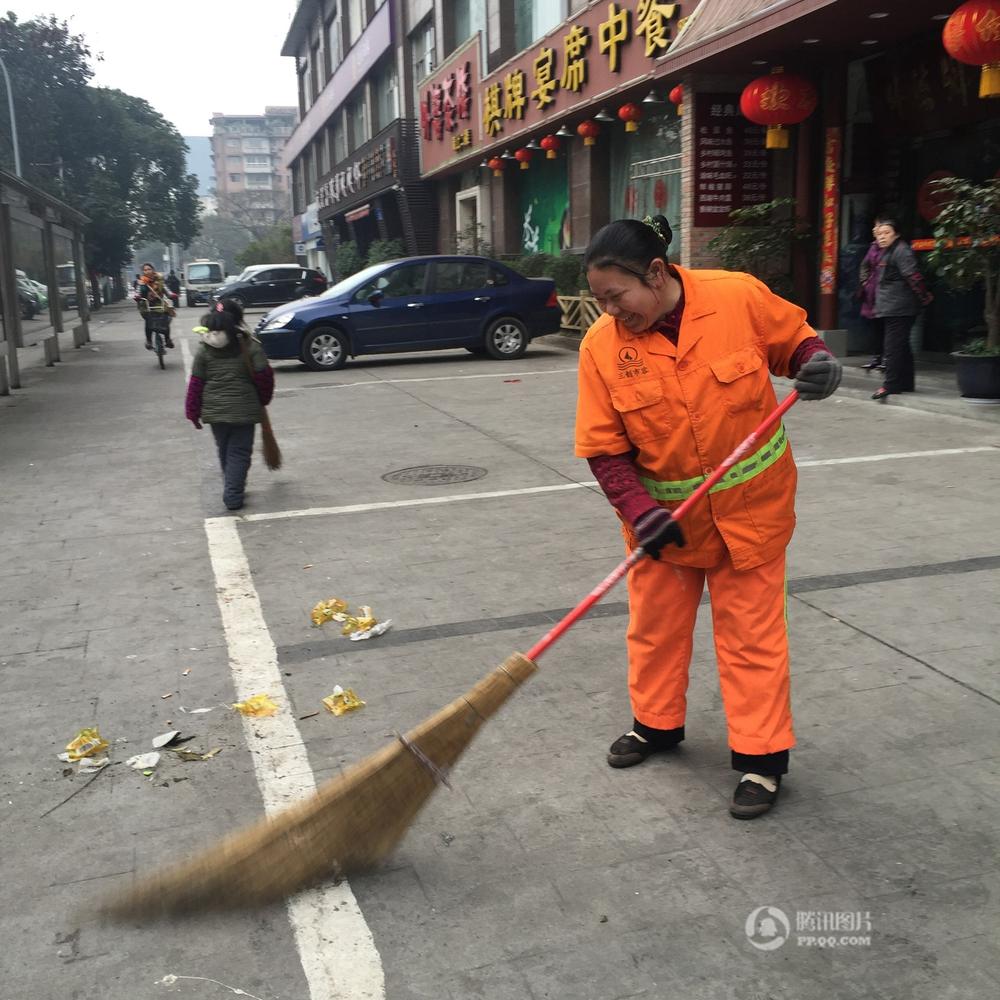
point(338, 952)
point(362, 508)
point(810, 464)
point(435, 378)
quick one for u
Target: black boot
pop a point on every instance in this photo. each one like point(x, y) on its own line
point(149, 342)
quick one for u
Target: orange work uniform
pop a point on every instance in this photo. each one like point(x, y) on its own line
point(680, 409)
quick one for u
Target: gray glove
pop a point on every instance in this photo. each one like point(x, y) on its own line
point(819, 376)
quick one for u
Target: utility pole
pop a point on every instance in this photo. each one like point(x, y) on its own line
point(13, 120)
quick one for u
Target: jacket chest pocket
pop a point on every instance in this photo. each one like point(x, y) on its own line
point(740, 376)
point(643, 410)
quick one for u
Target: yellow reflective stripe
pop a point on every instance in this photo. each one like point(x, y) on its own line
point(741, 472)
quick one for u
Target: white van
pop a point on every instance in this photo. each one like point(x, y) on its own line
point(201, 278)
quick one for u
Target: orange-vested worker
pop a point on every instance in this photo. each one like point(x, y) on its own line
point(673, 376)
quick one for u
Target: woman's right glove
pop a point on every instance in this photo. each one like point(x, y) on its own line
point(657, 528)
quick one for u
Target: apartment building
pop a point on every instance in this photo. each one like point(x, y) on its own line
point(251, 180)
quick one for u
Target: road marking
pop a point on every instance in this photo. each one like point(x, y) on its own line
point(434, 378)
point(362, 508)
point(810, 464)
point(335, 944)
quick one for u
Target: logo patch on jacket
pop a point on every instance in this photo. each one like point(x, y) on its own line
point(630, 363)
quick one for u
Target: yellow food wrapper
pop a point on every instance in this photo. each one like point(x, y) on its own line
point(86, 743)
point(360, 624)
point(342, 701)
point(327, 611)
point(259, 706)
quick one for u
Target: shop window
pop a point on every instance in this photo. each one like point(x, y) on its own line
point(533, 19)
point(423, 50)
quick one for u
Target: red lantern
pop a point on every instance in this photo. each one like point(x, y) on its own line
point(523, 156)
point(677, 97)
point(590, 130)
point(496, 165)
point(631, 114)
point(777, 100)
point(972, 35)
point(550, 144)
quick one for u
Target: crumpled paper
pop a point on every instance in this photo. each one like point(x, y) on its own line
point(258, 706)
point(342, 701)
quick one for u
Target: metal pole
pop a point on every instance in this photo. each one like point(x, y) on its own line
point(13, 120)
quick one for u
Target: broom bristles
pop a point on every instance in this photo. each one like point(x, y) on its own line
point(269, 444)
point(352, 823)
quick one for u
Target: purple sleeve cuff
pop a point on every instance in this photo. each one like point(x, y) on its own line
point(192, 404)
point(264, 380)
point(805, 350)
point(618, 478)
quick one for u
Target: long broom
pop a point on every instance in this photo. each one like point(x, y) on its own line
point(355, 820)
point(268, 442)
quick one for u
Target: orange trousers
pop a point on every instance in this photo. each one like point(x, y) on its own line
point(751, 647)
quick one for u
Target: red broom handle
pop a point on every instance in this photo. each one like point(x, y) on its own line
point(678, 513)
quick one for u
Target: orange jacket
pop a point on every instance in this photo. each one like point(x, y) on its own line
point(681, 409)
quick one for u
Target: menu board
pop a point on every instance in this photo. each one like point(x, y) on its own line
point(731, 166)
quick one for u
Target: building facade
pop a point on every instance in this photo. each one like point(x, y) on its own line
point(251, 181)
point(525, 126)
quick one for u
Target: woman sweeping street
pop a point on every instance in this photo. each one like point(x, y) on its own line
point(673, 376)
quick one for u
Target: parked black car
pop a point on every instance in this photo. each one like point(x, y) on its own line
point(271, 285)
point(416, 304)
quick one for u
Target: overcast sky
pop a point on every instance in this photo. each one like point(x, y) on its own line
point(188, 58)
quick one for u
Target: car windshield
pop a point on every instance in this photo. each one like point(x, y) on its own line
point(354, 281)
point(67, 274)
point(204, 272)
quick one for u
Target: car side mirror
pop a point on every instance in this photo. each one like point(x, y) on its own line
point(251, 281)
point(375, 299)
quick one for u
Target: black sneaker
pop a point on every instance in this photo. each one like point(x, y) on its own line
point(752, 799)
point(149, 345)
point(632, 749)
point(169, 343)
point(875, 362)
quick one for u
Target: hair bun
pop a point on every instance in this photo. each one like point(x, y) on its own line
point(664, 227)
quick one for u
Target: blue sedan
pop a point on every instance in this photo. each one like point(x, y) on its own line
point(416, 304)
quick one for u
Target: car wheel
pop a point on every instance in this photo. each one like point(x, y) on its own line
point(506, 338)
point(324, 349)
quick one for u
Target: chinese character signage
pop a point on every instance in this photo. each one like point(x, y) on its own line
point(731, 167)
point(608, 46)
point(831, 210)
point(449, 114)
point(376, 164)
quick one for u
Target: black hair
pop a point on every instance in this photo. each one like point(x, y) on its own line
point(228, 317)
point(630, 245)
point(148, 264)
point(887, 220)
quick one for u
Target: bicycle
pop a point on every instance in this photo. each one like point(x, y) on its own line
point(159, 327)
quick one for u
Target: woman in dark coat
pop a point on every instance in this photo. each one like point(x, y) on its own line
point(899, 296)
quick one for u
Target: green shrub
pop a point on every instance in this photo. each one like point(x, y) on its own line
point(347, 260)
point(383, 250)
point(569, 274)
point(759, 241)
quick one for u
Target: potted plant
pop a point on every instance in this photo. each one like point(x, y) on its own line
point(967, 253)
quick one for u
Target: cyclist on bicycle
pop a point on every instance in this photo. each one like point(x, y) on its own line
point(154, 301)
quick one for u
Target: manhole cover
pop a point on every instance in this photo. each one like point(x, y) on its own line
point(435, 475)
